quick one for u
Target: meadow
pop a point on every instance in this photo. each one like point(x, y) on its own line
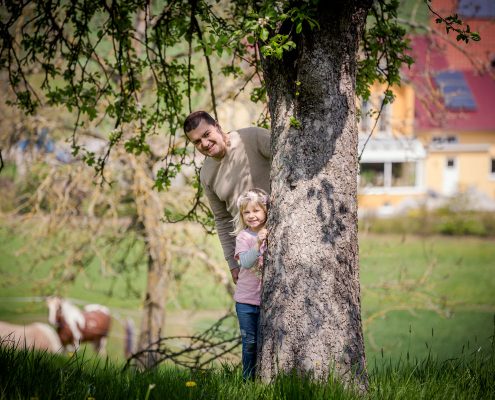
point(421, 296)
point(428, 314)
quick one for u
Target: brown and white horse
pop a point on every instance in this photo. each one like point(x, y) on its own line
point(75, 326)
point(36, 336)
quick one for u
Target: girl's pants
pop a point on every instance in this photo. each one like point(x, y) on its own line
point(249, 321)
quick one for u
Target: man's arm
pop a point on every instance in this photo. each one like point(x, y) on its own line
point(224, 225)
point(263, 141)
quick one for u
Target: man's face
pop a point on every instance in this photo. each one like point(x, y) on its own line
point(208, 139)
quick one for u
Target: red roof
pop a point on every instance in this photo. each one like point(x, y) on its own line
point(430, 54)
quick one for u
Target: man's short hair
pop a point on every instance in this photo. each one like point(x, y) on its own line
point(194, 119)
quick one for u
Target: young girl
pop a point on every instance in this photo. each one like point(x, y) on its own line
point(250, 243)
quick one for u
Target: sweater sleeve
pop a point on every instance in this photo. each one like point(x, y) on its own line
point(248, 258)
point(263, 142)
point(224, 226)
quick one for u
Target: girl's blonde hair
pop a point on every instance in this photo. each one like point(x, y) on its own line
point(258, 196)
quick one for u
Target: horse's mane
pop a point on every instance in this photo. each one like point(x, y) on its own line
point(72, 312)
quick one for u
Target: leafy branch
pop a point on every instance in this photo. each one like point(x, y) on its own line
point(455, 24)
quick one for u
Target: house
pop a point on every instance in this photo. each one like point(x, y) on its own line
point(438, 138)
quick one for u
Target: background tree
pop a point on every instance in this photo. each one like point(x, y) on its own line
point(119, 225)
point(129, 68)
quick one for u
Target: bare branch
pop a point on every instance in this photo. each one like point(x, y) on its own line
point(195, 352)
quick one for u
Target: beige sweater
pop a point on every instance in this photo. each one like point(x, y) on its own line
point(246, 165)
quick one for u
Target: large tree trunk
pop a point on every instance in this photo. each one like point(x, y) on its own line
point(311, 314)
point(158, 243)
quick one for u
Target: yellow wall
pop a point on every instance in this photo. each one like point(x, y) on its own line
point(434, 171)
point(401, 110)
point(473, 137)
point(374, 201)
point(473, 167)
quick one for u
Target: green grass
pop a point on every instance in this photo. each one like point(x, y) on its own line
point(28, 375)
point(426, 295)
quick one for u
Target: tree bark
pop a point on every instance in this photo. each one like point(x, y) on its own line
point(311, 313)
point(149, 209)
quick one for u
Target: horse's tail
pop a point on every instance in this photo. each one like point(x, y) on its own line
point(129, 337)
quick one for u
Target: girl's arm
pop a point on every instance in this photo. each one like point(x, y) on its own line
point(247, 259)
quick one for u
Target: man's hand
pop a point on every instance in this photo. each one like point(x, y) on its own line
point(235, 274)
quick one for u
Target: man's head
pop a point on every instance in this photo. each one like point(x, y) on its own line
point(205, 134)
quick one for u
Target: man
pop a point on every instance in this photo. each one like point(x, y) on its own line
point(235, 163)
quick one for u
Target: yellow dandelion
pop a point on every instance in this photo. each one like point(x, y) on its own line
point(90, 398)
point(190, 383)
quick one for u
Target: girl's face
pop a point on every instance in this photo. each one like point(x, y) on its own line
point(254, 216)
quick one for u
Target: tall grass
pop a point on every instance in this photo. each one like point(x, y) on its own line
point(38, 375)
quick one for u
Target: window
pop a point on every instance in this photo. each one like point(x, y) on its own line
point(372, 175)
point(403, 174)
point(455, 90)
point(388, 174)
point(476, 8)
point(492, 167)
point(450, 162)
point(444, 140)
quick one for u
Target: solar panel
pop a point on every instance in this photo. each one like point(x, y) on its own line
point(455, 91)
point(476, 8)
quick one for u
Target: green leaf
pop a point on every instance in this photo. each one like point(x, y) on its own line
point(475, 36)
point(264, 34)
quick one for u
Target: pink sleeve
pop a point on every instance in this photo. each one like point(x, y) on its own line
point(243, 242)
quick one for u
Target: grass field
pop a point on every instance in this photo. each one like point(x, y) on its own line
point(42, 376)
point(420, 296)
point(432, 295)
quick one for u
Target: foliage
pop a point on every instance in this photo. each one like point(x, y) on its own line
point(137, 65)
point(384, 51)
point(96, 60)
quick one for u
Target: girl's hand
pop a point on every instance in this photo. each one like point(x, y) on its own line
point(262, 234)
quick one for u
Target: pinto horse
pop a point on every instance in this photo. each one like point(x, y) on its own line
point(75, 326)
point(36, 336)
